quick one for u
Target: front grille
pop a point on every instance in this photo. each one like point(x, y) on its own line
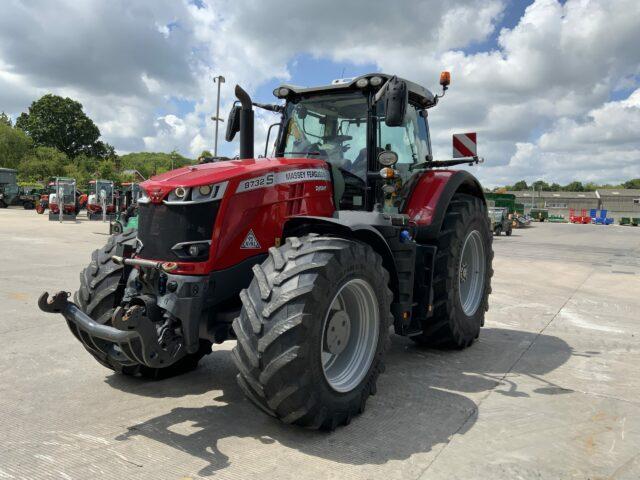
point(162, 226)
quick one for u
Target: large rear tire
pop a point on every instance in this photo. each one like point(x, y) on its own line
point(462, 276)
point(313, 330)
point(98, 296)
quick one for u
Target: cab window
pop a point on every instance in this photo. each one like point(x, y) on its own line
point(329, 127)
point(410, 140)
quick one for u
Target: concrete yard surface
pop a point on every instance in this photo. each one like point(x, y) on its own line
point(551, 390)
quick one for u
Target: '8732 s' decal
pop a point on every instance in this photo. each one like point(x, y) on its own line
point(288, 176)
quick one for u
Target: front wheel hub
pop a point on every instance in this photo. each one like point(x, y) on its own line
point(338, 330)
point(350, 335)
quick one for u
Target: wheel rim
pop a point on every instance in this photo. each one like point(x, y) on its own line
point(471, 273)
point(350, 335)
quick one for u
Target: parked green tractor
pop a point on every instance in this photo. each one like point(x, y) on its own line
point(127, 209)
point(500, 221)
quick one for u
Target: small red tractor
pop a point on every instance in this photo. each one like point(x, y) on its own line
point(306, 258)
point(62, 197)
point(101, 203)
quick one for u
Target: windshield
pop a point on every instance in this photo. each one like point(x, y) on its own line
point(104, 188)
point(329, 127)
point(66, 190)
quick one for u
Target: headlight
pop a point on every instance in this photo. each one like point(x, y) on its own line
point(205, 190)
point(387, 158)
point(362, 82)
point(281, 92)
point(375, 81)
point(387, 173)
point(178, 195)
point(201, 194)
point(180, 192)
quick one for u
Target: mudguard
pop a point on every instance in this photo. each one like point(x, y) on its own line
point(429, 195)
point(369, 227)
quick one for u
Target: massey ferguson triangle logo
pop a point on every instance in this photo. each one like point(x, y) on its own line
point(250, 241)
point(156, 195)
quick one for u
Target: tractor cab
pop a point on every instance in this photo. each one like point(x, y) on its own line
point(62, 199)
point(129, 194)
point(372, 131)
point(101, 200)
point(8, 187)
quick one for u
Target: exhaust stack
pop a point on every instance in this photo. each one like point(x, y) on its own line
point(246, 123)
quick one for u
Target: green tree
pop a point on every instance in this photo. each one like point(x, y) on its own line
point(519, 186)
point(42, 163)
point(5, 120)
point(574, 186)
point(53, 121)
point(634, 183)
point(150, 163)
point(540, 185)
point(14, 145)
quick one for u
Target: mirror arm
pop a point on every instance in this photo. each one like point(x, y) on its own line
point(380, 93)
point(447, 163)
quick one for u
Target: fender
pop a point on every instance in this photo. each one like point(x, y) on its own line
point(363, 226)
point(429, 196)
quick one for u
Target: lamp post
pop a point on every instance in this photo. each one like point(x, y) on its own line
point(217, 119)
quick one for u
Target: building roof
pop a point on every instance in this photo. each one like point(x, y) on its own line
point(2, 169)
point(552, 195)
point(417, 93)
point(574, 195)
point(624, 192)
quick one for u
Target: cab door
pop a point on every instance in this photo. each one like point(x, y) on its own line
point(410, 140)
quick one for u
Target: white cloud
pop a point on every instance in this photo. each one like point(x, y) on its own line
point(604, 147)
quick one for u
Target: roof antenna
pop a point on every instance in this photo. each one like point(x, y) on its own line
point(342, 76)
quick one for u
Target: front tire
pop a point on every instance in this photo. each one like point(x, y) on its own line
point(307, 354)
point(99, 295)
point(462, 276)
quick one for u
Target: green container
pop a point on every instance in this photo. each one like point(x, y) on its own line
point(539, 214)
point(635, 221)
point(504, 200)
point(625, 221)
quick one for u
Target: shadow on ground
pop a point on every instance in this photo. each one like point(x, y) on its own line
point(415, 409)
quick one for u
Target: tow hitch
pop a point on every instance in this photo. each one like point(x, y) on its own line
point(133, 333)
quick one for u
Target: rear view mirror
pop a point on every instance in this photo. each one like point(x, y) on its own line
point(233, 123)
point(395, 102)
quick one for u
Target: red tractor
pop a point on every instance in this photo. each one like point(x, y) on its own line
point(101, 203)
point(62, 197)
point(306, 258)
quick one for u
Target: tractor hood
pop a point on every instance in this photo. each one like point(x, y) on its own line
point(228, 170)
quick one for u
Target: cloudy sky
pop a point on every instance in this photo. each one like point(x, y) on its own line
point(551, 87)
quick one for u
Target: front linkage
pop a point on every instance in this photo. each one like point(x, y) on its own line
point(142, 329)
point(132, 331)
